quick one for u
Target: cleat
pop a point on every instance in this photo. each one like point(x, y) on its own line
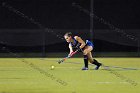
point(98, 66)
point(84, 68)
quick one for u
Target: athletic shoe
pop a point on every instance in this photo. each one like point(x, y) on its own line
point(84, 68)
point(98, 66)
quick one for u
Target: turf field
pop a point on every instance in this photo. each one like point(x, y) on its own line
point(34, 75)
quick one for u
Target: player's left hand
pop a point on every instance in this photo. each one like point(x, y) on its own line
point(73, 53)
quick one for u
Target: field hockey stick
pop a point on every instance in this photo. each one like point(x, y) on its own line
point(69, 56)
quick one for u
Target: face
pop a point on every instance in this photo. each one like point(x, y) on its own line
point(67, 38)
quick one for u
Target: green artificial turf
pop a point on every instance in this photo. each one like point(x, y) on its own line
point(34, 75)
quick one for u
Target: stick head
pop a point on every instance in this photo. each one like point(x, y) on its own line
point(60, 61)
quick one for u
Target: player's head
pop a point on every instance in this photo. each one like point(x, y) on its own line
point(68, 37)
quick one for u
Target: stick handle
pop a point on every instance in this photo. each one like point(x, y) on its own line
point(73, 53)
point(69, 56)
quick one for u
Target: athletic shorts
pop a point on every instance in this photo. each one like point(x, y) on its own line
point(89, 43)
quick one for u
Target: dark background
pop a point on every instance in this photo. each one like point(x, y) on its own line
point(19, 34)
point(60, 14)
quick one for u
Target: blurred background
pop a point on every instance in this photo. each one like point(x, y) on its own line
point(35, 28)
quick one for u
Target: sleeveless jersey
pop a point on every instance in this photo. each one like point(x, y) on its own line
point(75, 45)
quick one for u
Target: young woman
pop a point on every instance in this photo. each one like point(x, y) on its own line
point(76, 43)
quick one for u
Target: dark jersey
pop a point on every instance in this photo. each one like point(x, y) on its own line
point(75, 45)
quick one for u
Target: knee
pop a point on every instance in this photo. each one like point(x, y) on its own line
point(85, 52)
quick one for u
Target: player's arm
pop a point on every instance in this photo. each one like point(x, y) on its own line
point(71, 50)
point(79, 39)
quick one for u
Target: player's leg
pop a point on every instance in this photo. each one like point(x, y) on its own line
point(93, 61)
point(86, 50)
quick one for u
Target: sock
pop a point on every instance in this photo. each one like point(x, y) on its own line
point(86, 60)
point(95, 62)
